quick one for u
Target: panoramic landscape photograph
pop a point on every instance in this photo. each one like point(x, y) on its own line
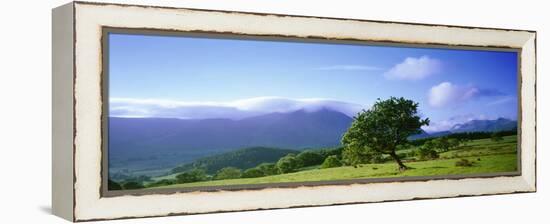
point(189, 111)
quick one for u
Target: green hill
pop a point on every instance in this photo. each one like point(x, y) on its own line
point(242, 158)
point(486, 157)
point(487, 164)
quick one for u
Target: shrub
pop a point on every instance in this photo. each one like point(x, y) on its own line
point(268, 169)
point(194, 175)
point(138, 179)
point(464, 163)
point(228, 173)
point(132, 185)
point(287, 164)
point(442, 144)
point(496, 137)
point(425, 153)
point(354, 155)
point(330, 151)
point(163, 182)
point(454, 143)
point(309, 158)
point(113, 186)
point(253, 172)
point(331, 161)
point(185, 178)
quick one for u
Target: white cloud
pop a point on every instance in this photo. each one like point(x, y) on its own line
point(350, 68)
point(414, 69)
point(445, 125)
point(238, 109)
point(502, 101)
point(446, 94)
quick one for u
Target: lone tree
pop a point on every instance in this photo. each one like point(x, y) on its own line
point(354, 155)
point(385, 126)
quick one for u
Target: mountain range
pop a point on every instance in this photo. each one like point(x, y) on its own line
point(147, 143)
point(500, 124)
point(137, 144)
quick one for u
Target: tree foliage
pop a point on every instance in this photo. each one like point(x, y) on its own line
point(194, 175)
point(331, 161)
point(385, 126)
point(309, 158)
point(353, 155)
point(496, 137)
point(242, 158)
point(268, 169)
point(162, 182)
point(113, 186)
point(427, 151)
point(442, 144)
point(132, 185)
point(454, 143)
point(326, 152)
point(252, 172)
point(228, 173)
point(288, 164)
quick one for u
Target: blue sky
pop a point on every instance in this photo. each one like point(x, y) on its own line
point(202, 78)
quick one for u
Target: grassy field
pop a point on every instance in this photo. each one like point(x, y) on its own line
point(487, 157)
point(487, 164)
point(508, 145)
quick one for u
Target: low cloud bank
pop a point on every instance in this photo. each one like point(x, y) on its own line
point(238, 109)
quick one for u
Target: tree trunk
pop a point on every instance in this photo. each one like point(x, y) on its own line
point(402, 166)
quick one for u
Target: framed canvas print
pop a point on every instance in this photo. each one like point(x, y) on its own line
point(168, 111)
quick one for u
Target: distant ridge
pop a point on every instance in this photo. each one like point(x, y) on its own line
point(500, 124)
point(156, 143)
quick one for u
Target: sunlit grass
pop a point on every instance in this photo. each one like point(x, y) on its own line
point(485, 164)
point(487, 157)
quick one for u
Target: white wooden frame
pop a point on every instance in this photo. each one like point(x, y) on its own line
point(77, 110)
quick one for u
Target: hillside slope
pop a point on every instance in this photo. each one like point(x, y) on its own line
point(242, 158)
point(160, 143)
